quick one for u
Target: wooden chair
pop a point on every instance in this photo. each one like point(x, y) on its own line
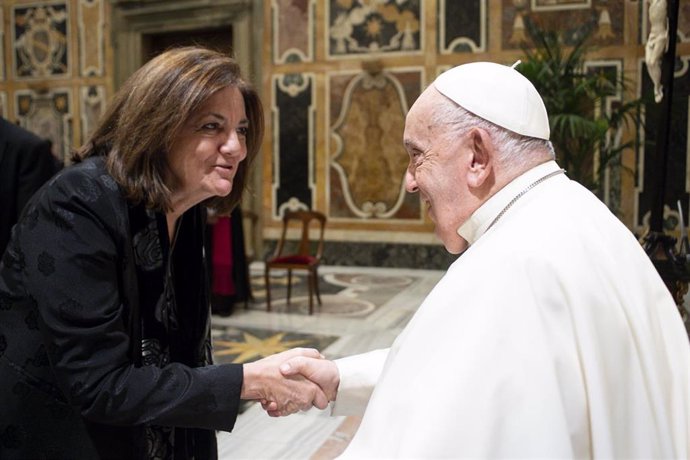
point(305, 257)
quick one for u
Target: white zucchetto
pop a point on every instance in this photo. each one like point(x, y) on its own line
point(499, 94)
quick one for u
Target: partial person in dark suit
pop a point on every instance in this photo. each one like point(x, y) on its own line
point(26, 163)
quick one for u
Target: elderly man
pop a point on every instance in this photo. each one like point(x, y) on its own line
point(552, 336)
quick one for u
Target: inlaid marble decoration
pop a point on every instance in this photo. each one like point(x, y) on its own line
point(462, 26)
point(92, 102)
point(367, 160)
point(293, 142)
point(91, 45)
point(384, 26)
point(560, 5)
point(603, 18)
point(39, 41)
point(293, 30)
point(678, 182)
point(48, 114)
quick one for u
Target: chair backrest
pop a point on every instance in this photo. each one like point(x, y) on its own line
point(305, 218)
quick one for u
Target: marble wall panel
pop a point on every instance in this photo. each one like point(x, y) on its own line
point(90, 21)
point(604, 19)
point(48, 114)
point(40, 41)
point(92, 102)
point(684, 21)
point(367, 162)
point(462, 26)
point(677, 182)
point(355, 28)
point(293, 31)
point(293, 142)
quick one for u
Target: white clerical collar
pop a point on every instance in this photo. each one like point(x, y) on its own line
point(483, 217)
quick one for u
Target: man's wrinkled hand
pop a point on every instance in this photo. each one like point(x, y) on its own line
point(322, 372)
point(284, 395)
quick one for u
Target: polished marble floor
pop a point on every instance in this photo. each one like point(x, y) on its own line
point(362, 309)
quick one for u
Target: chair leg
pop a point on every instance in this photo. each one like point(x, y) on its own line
point(268, 289)
point(289, 286)
point(315, 274)
point(310, 285)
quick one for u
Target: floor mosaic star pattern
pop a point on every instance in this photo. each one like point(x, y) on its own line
point(242, 345)
point(254, 347)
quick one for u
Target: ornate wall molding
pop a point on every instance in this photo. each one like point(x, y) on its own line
point(293, 109)
point(560, 5)
point(462, 26)
point(367, 163)
point(604, 19)
point(48, 114)
point(293, 30)
point(92, 102)
point(388, 27)
point(40, 39)
point(90, 21)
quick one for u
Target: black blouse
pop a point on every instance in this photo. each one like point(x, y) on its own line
point(104, 330)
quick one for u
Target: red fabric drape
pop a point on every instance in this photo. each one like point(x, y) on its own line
point(223, 283)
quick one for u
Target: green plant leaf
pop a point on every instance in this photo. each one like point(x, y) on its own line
point(586, 113)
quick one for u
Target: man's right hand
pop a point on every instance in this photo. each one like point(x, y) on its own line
point(322, 372)
point(264, 381)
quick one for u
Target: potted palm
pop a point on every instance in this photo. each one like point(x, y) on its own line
point(586, 134)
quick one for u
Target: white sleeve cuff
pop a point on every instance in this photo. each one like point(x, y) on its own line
point(358, 377)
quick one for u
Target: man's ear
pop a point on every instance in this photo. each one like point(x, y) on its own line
point(482, 161)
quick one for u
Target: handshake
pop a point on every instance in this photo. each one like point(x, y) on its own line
point(291, 381)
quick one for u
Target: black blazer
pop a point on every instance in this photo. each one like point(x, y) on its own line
point(25, 164)
point(70, 385)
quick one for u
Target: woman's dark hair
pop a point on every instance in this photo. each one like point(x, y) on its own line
point(138, 129)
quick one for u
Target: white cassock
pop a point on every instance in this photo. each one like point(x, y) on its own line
point(552, 336)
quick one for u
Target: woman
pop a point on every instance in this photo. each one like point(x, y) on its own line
point(104, 314)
